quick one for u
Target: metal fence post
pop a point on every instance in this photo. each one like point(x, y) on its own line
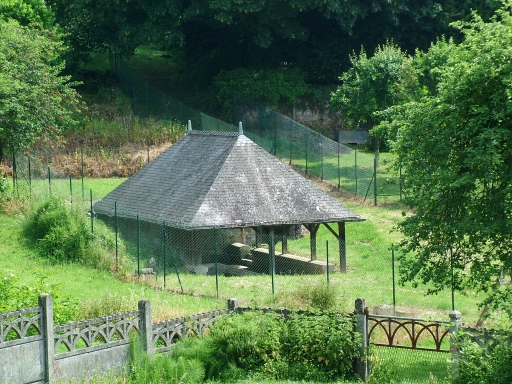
point(92, 216)
point(83, 190)
point(339, 169)
point(327, 257)
point(29, 177)
point(393, 274)
point(216, 261)
point(355, 167)
point(375, 181)
point(116, 230)
point(272, 257)
point(138, 245)
point(164, 235)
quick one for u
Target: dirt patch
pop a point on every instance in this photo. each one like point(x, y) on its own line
point(97, 163)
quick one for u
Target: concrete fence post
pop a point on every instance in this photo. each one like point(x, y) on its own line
point(45, 302)
point(362, 329)
point(233, 305)
point(455, 324)
point(146, 326)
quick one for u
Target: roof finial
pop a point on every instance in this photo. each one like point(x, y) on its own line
point(240, 129)
point(189, 125)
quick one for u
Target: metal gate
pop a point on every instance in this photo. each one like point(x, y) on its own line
point(410, 333)
point(411, 350)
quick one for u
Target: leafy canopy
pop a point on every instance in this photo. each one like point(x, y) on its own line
point(370, 86)
point(35, 101)
point(455, 148)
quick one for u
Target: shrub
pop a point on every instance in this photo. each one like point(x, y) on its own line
point(16, 295)
point(320, 296)
point(485, 365)
point(62, 234)
point(320, 346)
point(245, 341)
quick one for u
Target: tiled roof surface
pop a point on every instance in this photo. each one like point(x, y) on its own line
point(218, 180)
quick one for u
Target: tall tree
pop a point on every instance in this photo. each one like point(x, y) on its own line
point(370, 86)
point(35, 101)
point(455, 147)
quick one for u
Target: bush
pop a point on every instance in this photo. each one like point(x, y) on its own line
point(485, 365)
point(18, 296)
point(62, 234)
point(318, 346)
point(319, 296)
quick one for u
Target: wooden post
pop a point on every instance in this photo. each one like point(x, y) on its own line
point(313, 229)
point(342, 246)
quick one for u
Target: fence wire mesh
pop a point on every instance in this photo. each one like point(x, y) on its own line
point(261, 268)
point(216, 265)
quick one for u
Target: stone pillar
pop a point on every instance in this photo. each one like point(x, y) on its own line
point(145, 326)
point(45, 302)
point(362, 330)
point(455, 324)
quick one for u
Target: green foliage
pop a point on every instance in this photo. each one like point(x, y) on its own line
point(319, 296)
point(318, 346)
point(36, 101)
point(162, 368)
point(485, 365)
point(62, 234)
point(247, 341)
point(370, 86)
point(16, 295)
point(27, 12)
point(108, 304)
point(269, 86)
point(453, 145)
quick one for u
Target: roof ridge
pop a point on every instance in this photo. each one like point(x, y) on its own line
point(212, 133)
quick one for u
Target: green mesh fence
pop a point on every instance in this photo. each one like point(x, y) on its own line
point(304, 149)
point(239, 263)
point(278, 268)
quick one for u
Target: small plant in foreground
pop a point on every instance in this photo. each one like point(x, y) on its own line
point(491, 365)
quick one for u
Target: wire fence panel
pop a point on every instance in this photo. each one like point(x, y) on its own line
point(236, 262)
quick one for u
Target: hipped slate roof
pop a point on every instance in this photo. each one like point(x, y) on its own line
point(219, 179)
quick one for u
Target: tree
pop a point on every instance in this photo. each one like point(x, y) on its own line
point(35, 102)
point(455, 148)
point(27, 12)
point(370, 86)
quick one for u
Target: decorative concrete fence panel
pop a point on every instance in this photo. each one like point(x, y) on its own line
point(33, 350)
point(21, 346)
